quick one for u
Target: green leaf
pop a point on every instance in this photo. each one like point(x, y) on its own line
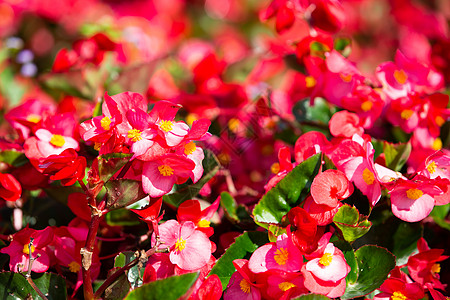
point(123, 192)
point(229, 205)
point(396, 154)
point(119, 288)
point(312, 297)
point(109, 164)
point(188, 191)
point(171, 288)
point(343, 45)
point(288, 193)
point(135, 78)
point(405, 241)
point(439, 214)
point(348, 220)
point(11, 88)
point(15, 286)
point(13, 158)
point(350, 258)
point(243, 246)
point(122, 217)
point(135, 273)
point(319, 113)
point(71, 83)
point(374, 265)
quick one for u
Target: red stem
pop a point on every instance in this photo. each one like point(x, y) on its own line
point(87, 252)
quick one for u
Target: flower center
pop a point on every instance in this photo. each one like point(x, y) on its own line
point(203, 223)
point(57, 140)
point(406, 114)
point(436, 268)
point(398, 296)
point(166, 125)
point(165, 170)
point(366, 105)
point(281, 256)
point(310, 81)
point(33, 118)
point(26, 250)
point(105, 123)
point(439, 121)
point(275, 168)
point(437, 144)
point(134, 135)
point(233, 124)
point(74, 267)
point(414, 194)
point(400, 76)
point(326, 259)
point(346, 77)
point(245, 286)
point(284, 286)
point(431, 167)
point(180, 245)
point(189, 148)
point(368, 176)
point(97, 146)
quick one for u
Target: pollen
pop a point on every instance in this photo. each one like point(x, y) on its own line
point(431, 167)
point(34, 118)
point(166, 125)
point(105, 123)
point(326, 259)
point(346, 77)
point(189, 148)
point(165, 170)
point(134, 135)
point(26, 250)
point(191, 118)
point(406, 114)
point(439, 121)
point(74, 267)
point(284, 286)
point(180, 245)
point(400, 76)
point(233, 125)
point(414, 194)
point(368, 176)
point(57, 140)
point(366, 105)
point(398, 296)
point(203, 223)
point(436, 268)
point(437, 144)
point(245, 286)
point(310, 81)
point(281, 256)
point(97, 146)
point(275, 168)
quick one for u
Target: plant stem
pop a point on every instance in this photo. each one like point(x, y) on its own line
point(86, 254)
point(28, 275)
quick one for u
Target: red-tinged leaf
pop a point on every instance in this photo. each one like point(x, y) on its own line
point(123, 192)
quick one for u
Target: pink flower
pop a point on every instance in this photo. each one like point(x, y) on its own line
point(285, 285)
point(190, 210)
point(282, 255)
point(190, 249)
point(49, 143)
point(242, 283)
point(394, 288)
point(329, 187)
point(19, 251)
point(345, 124)
point(159, 176)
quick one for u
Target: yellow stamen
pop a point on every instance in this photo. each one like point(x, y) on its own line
point(203, 223)
point(34, 118)
point(310, 81)
point(284, 286)
point(97, 146)
point(134, 135)
point(233, 125)
point(105, 123)
point(437, 144)
point(57, 140)
point(439, 121)
point(368, 176)
point(400, 76)
point(431, 167)
point(180, 244)
point(74, 267)
point(224, 158)
point(26, 250)
point(189, 148)
point(414, 194)
point(166, 125)
point(275, 168)
point(398, 296)
point(281, 256)
point(436, 268)
point(366, 105)
point(406, 114)
point(165, 170)
point(326, 259)
point(346, 77)
point(190, 118)
point(245, 286)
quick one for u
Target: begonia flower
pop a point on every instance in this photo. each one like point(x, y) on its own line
point(10, 188)
point(67, 167)
point(329, 187)
point(242, 284)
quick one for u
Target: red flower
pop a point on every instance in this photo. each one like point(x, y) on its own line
point(67, 167)
point(10, 188)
